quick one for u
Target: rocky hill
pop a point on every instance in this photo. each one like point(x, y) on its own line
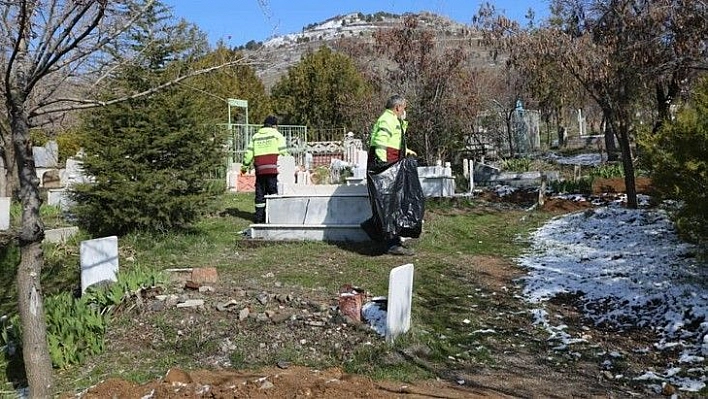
point(278, 53)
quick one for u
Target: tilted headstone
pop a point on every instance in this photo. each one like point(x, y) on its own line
point(400, 297)
point(4, 213)
point(99, 261)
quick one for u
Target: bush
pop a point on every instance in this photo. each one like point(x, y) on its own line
point(608, 171)
point(677, 157)
point(581, 186)
point(517, 164)
point(151, 161)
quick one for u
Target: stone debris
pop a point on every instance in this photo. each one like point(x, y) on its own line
point(227, 306)
point(191, 303)
point(263, 298)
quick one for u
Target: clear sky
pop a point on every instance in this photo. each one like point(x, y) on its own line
point(238, 21)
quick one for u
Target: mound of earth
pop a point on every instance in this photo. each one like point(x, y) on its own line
point(291, 382)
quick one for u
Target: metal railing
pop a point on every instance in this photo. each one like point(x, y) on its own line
point(239, 135)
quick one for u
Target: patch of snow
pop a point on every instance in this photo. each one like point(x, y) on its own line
point(594, 159)
point(628, 269)
point(504, 190)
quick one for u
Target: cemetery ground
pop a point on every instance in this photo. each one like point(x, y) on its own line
point(269, 325)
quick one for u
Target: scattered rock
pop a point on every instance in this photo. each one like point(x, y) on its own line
point(206, 288)
point(226, 306)
point(176, 376)
point(263, 298)
point(668, 389)
point(191, 303)
point(243, 314)
point(280, 317)
point(157, 306)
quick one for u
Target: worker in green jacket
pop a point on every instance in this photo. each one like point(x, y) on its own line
point(388, 145)
point(262, 153)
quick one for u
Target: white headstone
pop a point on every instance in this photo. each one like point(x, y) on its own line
point(99, 261)
point(232, 176)
point(46, 156)
point(400, 296)
point(4, 213)
point(362, 159)
point(286, 169)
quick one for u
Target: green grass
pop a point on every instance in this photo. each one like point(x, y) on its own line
point(446, 289)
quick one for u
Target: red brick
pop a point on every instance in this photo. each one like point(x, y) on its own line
point(204, 275)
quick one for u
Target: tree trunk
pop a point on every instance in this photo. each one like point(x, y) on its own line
point(664, 99)
point(35, 350)
point(9, 188)
point(609, 133)
point(628, 167)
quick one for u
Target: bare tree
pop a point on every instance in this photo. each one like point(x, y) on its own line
point(54, 53)
point(618, 51)
point(432, 75)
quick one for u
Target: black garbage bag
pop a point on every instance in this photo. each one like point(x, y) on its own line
point(397, 201)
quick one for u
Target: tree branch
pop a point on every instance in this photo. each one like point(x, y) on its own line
point(79, 104)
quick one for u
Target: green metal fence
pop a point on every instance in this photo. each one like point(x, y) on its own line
point(239, 135)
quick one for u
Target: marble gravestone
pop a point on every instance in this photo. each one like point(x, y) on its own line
point(5, 213)
point(400, 296)
point(99, 261)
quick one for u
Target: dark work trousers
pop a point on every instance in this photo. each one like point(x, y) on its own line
point(265, 185)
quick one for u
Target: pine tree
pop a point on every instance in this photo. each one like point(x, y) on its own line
point(150, 157)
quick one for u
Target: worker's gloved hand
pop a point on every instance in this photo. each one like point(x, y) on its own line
point(411, 153)
point(244, 169)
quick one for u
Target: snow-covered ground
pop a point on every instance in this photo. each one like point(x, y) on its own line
point(580, 159)
point(628, 269)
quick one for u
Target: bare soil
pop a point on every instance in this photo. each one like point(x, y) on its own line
point(523, 366)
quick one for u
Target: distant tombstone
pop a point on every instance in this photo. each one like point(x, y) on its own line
point(46, 156)
point(361, 159)
point(232, 176)
point(400, 296)
point(99, 261)
point(73, 173)
point(4, 213)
